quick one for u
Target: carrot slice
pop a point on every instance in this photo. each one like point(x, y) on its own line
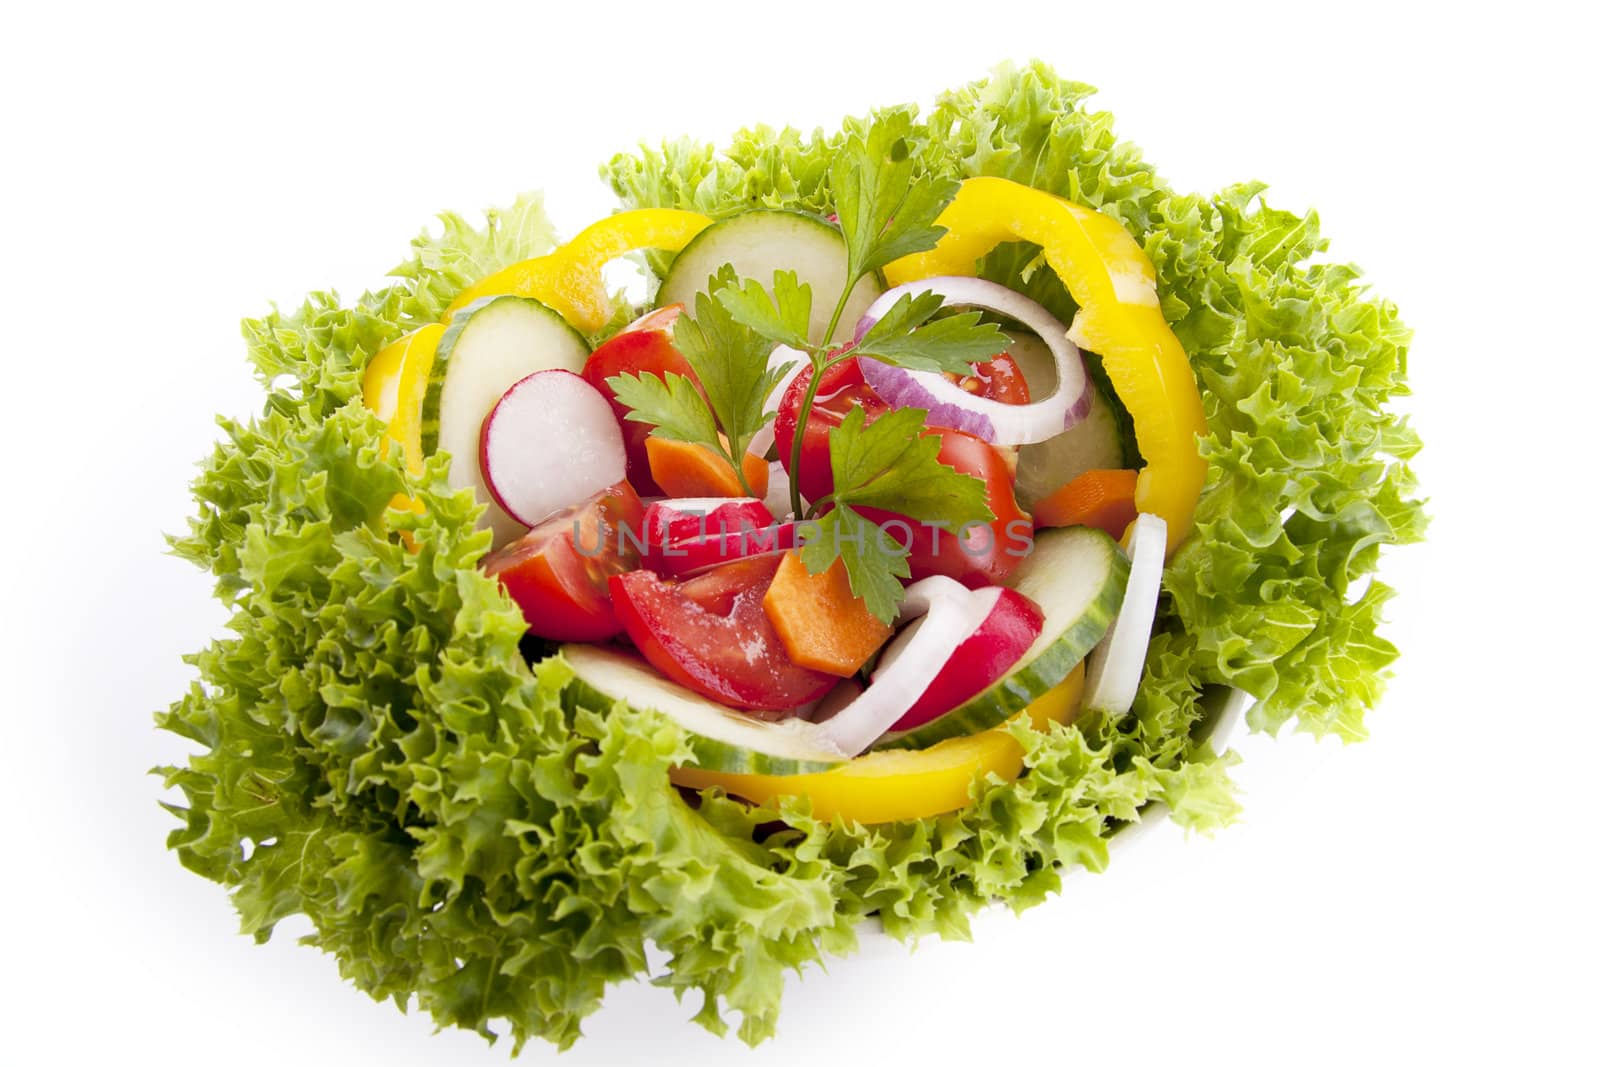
point(1102, 499)
point(823, 625)
point(686, 470)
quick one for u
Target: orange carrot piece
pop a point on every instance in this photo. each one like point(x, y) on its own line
point(821, 623)
point(755, 472)
point(1102, 499)
point(686, 470)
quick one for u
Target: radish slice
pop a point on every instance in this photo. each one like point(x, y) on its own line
point(684, 559)
point(684, 535)
point(676, 519)
point(947, 404)
point(947, 613)
point(549, 442)
point(1009, 628)
point(1117, 662)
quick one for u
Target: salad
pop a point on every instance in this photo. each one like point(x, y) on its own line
point(888, 561)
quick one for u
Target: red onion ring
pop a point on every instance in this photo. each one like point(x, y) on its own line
point(948, 404)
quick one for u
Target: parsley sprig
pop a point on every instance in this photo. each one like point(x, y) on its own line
point(890, 466)
point(730, 360)
point(885, 213)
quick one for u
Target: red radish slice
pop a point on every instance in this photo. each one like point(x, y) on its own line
point(699, 554)
point(676, 532)
point(1112, 674)
point(1010, 628)
point(549, 442)
point(947, 613)
point(677, 519)
point(947, 404)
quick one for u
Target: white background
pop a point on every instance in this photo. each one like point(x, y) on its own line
point(1428, 894)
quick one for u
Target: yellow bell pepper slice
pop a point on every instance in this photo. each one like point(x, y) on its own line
point(395, 383)
point(1119, 318)
point(568, 280)
point(899, 784)
point(392, 388)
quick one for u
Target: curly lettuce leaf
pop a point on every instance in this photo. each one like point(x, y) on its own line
point(440, 267)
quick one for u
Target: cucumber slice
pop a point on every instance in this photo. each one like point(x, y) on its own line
point(490, 345)
point(723, 739)
point(1077, 576)
point(1095, 443)
point(758, 243)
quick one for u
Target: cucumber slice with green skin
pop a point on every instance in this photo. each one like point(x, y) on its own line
point(723, 739)
point(1093, 443)
point(490, 345)
point(1077, 576)
point(759, 243)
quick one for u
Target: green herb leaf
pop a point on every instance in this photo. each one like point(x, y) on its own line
point(889, 464)
point(874, 560)
point(884, 210)
point(730, 361)
point(908, 336)
point(671, 404)
point(781, 316)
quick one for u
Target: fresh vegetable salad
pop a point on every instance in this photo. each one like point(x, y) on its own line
point(896, 554)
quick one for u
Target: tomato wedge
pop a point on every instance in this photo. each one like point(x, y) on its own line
point(711, 634)
point(981, 554)
point(645, 346)
point(842, 388)
point(999, 379)
point(558, 572)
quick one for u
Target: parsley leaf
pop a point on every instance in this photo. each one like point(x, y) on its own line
point(884, 213)
point(782, 316)
point(673, 405)
point(874, 560)
point(908, 336)
point(890, 465)
point(730, 361)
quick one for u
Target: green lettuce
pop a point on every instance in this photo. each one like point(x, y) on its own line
point(372, 750)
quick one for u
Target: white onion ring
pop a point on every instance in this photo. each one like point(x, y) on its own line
point(947, 404)
point(1111, 677)
point(950, 613)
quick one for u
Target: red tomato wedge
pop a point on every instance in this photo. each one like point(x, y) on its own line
point(841, 389)
point(644, 347)
point(558, 572)
point(711, 634)
point(982, 554)
point(999, 379)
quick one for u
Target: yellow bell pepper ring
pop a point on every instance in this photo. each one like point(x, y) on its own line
point(899, 784)
point(569, 281)
point(1119, 318)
